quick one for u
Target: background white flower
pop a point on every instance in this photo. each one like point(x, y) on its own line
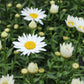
point(75, 81)
point(66, 50)
point(33, 14)
point(30, 44)
point(71, 21)
point(79, 24)
point(7, 80)
point(32, 68)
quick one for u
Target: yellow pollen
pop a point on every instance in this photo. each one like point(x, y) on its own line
point(4, 83)
point(30, 45)
point(83, 29)
point(72, 23)
point(79, 27)
point(34, 15)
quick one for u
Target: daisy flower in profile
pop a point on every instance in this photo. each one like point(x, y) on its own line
point(30, 44)
point(79, 24)
point(7, 80)
point(33, 14)
point(66, 50)
point(71, 21)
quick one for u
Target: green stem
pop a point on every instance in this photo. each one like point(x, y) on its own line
point(5, 56)
point(13, 63)
point(29, 3)
point(28, 81)
point(5, 2)
point(77, 43)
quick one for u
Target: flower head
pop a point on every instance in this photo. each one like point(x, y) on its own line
point(33, 14)
point(30, 44)
point(7, 80)
point(71, 21)
point(79, 24)
point(32, 68)
point(54, 9)
point(66, 50)
point(75, 81)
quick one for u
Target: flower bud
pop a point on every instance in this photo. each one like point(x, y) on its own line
point(4, 34)
point(51, 28)
point(39, 28)
point(54, 9)
point(0, 21)
point(75, 65)
point(41, 33)
point(64, 10)
point(9, 25)
point(52, 2)
point(60, 1)
point(9, 5)
point(0, 45)
point(32, 25)
point(24, 71)
point(7, 30)
point(32, 68)
point(16, 26)
point(16, 52)
point(41, 70)
point(18, 6)
point(17, 15)
point(65, 38)
point(83, 41)
point(57, 53)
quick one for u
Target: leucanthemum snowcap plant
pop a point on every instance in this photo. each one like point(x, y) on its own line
point(33, 14)
point(66, 50)
point(7, 80)
point(71, 21)
point(30, 44)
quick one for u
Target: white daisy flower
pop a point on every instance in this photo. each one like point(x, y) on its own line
point(79, 24)
point(71, 21)
point(54, 9)
point(76, 81)
point(7, 80)
point(33, 14)
point(30, 44)
point(66, 50)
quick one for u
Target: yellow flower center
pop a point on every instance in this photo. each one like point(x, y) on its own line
point(83, 29)
point(30, 45)
point(4, 83)
point(33, 15)
point(72, 23)
point(79, 27)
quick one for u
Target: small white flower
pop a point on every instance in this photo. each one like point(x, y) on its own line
point(66, 50)
point(71, 21)
point(75, 81)
point(0, 45)
point(33, 14)
point(79, 24)
point(54, 9)
point(32, 68)
point(30, 44)
point(7, 80)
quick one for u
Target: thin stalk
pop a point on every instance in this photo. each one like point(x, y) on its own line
point(5, 2)
point(13, 63)
point(29, 3)
point(77, 43)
